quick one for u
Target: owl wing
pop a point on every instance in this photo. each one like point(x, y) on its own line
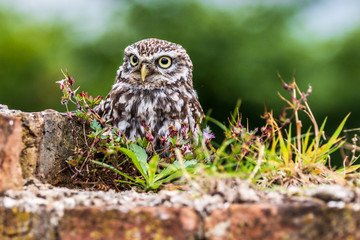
point(105, 108)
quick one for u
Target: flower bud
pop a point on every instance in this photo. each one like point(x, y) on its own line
point(149, 136)
point(70, 80)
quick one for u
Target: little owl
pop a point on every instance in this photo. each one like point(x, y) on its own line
point(154, 87)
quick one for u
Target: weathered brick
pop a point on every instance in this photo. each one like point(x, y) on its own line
point(10, 148)
point(47, 141)
point(19, 224)
point(289, 221)
point(139, 223)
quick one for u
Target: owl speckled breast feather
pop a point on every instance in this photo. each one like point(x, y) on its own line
point(153, 87)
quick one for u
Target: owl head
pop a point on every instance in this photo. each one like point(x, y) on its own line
point(156, 63)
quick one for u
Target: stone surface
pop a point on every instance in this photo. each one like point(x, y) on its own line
point(20, 224)
point(289, 221)
point(42, 211)
point(137, 224)
point(47, 141)
point(10, 148)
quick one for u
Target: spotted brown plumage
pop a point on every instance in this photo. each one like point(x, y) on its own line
point(153, 86)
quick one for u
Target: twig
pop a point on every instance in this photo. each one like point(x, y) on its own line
point(180, 158)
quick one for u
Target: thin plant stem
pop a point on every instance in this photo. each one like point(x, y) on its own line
point(298, 127)
point(258, 163)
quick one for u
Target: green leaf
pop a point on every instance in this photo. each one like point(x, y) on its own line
point(140, 181)
point(136, 162)
point(79, 113)
point(153, 167)
point(139, 152)
point(166, 172)
point(349, 169)
point(155, 185)
point(141, 156)
point(173, 168)
point(95, 125)
point(171, 177)
point(178, 172)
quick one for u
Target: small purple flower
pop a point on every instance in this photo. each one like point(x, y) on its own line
point(62, 83)
point(186, 148)
point(309, 90)
point(208, 135)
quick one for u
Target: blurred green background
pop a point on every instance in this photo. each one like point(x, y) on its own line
point(237, 48)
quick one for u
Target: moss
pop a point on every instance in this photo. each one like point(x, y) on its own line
point(16, 224)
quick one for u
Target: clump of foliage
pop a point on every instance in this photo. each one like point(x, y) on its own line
point(106, 157)
point(274, 155)
point(270, 155)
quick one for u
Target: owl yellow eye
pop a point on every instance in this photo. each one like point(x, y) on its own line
point(134, 60)
point(165, 62)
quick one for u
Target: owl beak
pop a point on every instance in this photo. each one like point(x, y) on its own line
point(144, 71)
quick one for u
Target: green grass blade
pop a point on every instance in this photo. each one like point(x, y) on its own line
point(235, 114)
point(322, 128)
point(171, 177)
point(131, 183)
point(166, 172)
point(334, 138)
point(274, 145)
point(315, 144)
point(289, 144)
point(305, 141)
point(216, 122)
point(283, 150)
point(113, 169)
point(141, 182)
point(220, 151)
point(349, 169)
point(174, 167)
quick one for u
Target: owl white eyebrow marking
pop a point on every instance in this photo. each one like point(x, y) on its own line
point(171, 54)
